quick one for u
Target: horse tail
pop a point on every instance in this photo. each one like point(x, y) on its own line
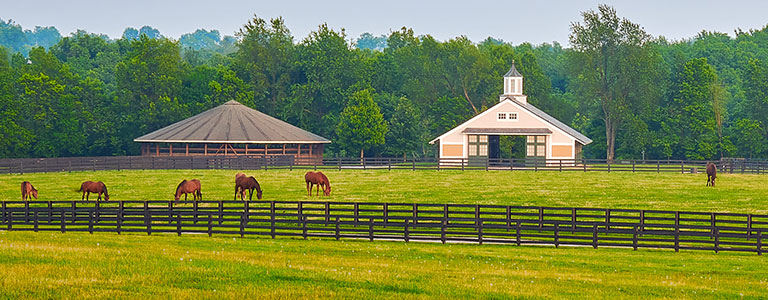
point(81, 188)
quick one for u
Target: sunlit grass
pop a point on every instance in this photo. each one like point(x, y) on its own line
point(80, 265)
point(670, 191)
point(77, 265)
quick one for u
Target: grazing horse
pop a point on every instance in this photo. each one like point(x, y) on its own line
point(26, 190)
point(239, 175)
point(89, 187)
point(320, 179)
point(189, 186)
point(711, 173)
point(247, 183)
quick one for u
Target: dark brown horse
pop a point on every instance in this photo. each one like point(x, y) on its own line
point(27, 190)
point(320, 179)
point(711, 173)
point(189, 186)
point(247, 183)
point(89, 187)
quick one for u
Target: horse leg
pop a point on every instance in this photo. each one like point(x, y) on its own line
point(309, 188)
point(250, 194)
point(83, 198)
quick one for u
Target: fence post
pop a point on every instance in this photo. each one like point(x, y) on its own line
point(749, 226)
point(147, 221)
point(26, 211)
point(178, 224)
point(443, 224)
point(339, 161)
point(170, 212)
point(633, 170)
point(760, 242)
point(634, 238)
point(713, 225)
point(658, 166)
point(480, 233)
point(517, 232)
point(717, 240)
point(272, 218)
point(194, 211)
point(406, 230)
point(370, 228)
point(221, 212)
point(90, 221)
point(541, 218)
point(573, 220)
point(386, 214)
point(413, 164)
point(557, 233)
point(561, 165)
point(35, 226)
point(487, 162)
point(509, 217)
point(682, 169)
point(304, 226)
point(210, 224)
point(327, 212)
point(607, 220)
point(677, 231)
point(357, 213)
point(389, 164)
point(594, 235)
point(119, 216)
point(63, 223)
point(337, 228)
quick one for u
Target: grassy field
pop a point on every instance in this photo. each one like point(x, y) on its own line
point(80, 265)
point(734, 193)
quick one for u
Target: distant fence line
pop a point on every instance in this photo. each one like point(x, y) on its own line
point(518, 225)
point(32, 165)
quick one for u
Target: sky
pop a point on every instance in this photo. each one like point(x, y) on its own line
point(510, 20)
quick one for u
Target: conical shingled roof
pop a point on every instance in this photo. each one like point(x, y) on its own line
point(235, 123)
point(513, 72)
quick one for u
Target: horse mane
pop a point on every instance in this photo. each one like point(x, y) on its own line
point(104, 186)
point(179, 186)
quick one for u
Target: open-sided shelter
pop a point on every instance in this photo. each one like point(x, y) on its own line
point(233, 129)
point(478, 138)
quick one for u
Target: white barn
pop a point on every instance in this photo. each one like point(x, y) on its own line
point(478, 138)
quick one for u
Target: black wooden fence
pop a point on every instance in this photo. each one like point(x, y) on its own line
point(519, 225)
point(68, 164)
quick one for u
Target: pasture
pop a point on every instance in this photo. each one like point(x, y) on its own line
point(77, 265)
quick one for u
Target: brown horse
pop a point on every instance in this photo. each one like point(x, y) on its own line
point(320, 179)
point(238, 176)
point(247, 183)
point(89, 187)
point(189, 186)
point(711, 173)
point(26, 190)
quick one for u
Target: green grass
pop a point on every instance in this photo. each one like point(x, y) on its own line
point(669, 191)
point(75, 265)
point(80, 265)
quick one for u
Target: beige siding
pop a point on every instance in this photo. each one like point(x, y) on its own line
point(562, 151)
point(453, 150)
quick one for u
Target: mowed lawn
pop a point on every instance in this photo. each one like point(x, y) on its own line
point(105, 265)
point(668, 191)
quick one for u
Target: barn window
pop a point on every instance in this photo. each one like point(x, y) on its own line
point(502, 116)
point(513, 116)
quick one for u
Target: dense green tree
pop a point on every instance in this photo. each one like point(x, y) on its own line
point(361, 124)
point(615, 67)
point(265, 58)
point(405, 129)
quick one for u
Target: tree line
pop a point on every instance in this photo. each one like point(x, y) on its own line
point(634, 94)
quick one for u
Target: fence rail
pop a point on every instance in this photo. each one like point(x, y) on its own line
point(518, 225)
point(31, 165)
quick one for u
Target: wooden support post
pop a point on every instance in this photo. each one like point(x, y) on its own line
point(517, 232)
point(370, 229)
point(186, 151)
point(634, 238)
point(157, 149)
point(677, 231)
point(170, 149)
point(147, 221)
point(120, 208)
point(594, 235)
point(246, 149)
point(205, 149)
point(272, 218)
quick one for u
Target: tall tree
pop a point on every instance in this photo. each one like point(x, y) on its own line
point(266, 57)
point(405, 129)
point(615, 67)
point(361, 124)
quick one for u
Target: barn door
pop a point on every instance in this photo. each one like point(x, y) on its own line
point(478, 149)
point(535, 148)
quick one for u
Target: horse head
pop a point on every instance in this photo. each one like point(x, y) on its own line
point(34, 193)
point(327, 189)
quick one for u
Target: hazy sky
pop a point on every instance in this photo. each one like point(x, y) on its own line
point(511, 20)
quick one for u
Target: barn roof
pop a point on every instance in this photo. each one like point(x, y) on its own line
point(235, 123)
point(513, 72)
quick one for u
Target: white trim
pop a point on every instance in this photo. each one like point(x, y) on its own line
point(470, 120)
point(491, 109)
